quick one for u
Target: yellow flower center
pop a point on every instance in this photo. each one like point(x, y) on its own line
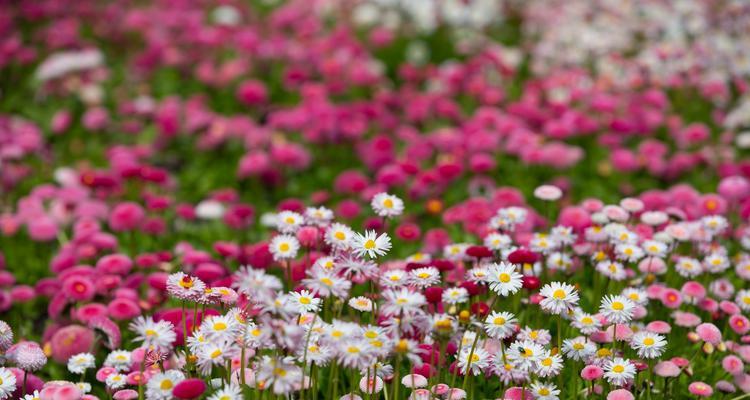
point(578, 346)
point(504, 278)
point(559, 294)
point(618, 369)
point(371, 334)
point(648, 341)
point(279, 372)
point(544, 391)
point(370, 244)
point(616, 305)
point(547, 362)
point(289, 220)
point(388, 203)
point(304, 300)
point(166, 384)
point(216, 353)
point(220, 326)
point(339, 235)
point(499, 321)
point(327, 281)
point(284, 247)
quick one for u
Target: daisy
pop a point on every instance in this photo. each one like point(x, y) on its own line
point(477, 360)
point(619, 371)
point(586, 323)
point(387, 205)
point(542, 243)
point(371, 243)
point(289, 221)
point(424, 277)
point(538, 336)
point(455, 295)
point(612, 270)
point(326, 283)
point(256, 283)
point(549, 365)
point(617, 309)
point(119, 360)
point(636, 295)
point(304, 302)
point(559, 261)
point(227, 392)
point(545, 391)
point(558, 297)
point(629, 252)
point(524, 354)
point(153, 334)
point(356, 354)
point(578, 349)
point(115, 381)
point(497, 241)
point(339, 236)
point(159, 386)
point(455, 251)
point(220, 327)
point(394, 278)
point(317, 353)
point(688, 267)
point(214, 353)
point(7, 383)
point(654, 248)
point(419, 257)
point(648, 345)
point(398, 301)
point(716, 263)
point(319, 216)
point(185, 287)
point(79, 363)
point(503, 279)
point(500, 325)
point(478, 274)
point(284, 247)
point(742, 298)
point(361, 303)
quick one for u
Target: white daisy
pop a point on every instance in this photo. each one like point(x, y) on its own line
point(455, 295)
point(618, 371)
point(79, 363)
point(284, 247)
point(153, 334)
point(289, 221)
point(305, 302)
point(7, 383)
point(424, 277)
point(558, 297)
point(476, 360)
point(361, 303)
point(119, 360)
point(371, 243)
point(339, 236)
point(503, 279)
point(159, 386)
point(545, 391)
point(387, 205)
point(648, 344)
point(549, 365)
point(319, 216)
point(617, 309)
point(500, 325)
point(578, 349)
point(227, 392)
